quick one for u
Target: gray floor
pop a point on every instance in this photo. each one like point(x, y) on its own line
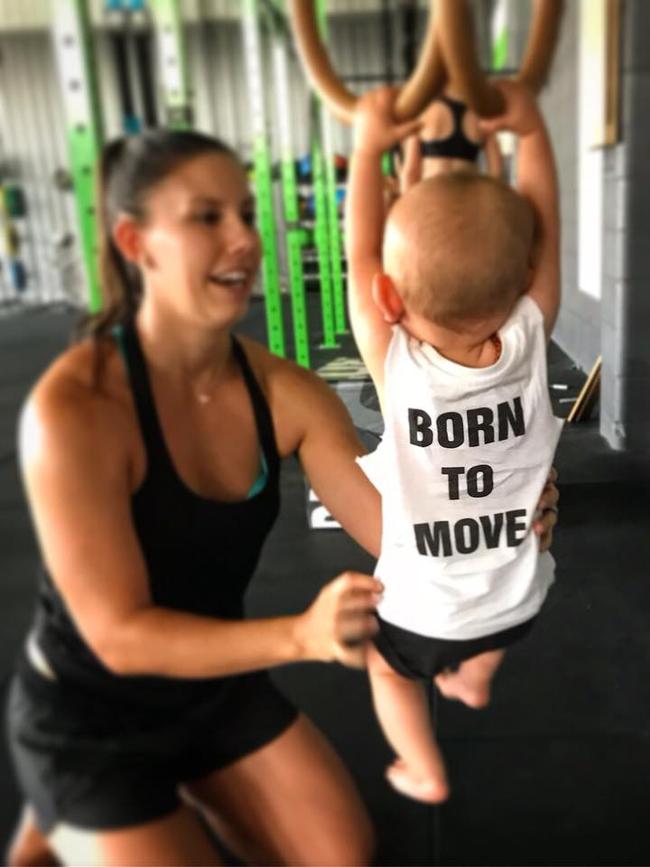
point(556, 771)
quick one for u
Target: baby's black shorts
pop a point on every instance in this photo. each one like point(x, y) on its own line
point(421, 658)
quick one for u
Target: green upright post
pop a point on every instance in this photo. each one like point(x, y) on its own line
point(333, 222)
point(263, 178)
point(73, 40)
point(500, 41)
point(336, 248)
point(172, 52)
point(294, 232)
point(322, 236)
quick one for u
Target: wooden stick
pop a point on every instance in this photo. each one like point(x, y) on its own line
point(584, 400)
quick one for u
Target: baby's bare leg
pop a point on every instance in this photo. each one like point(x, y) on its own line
point(419, 771)
point(471, 683)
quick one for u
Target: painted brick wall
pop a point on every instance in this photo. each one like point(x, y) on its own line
point(625, 415)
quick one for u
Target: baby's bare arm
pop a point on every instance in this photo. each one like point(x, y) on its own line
point(375, 131)
point(537, 181)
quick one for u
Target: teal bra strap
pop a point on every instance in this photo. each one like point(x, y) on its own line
point(258, 485)
point(118, 336)
point(260, 481)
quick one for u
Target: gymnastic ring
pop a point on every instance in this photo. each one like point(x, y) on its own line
point(542, 40)
point(425, 82)
point(455, 33)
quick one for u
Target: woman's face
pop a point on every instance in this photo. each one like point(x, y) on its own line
point(199, 249)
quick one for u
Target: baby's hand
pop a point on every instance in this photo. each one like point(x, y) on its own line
point(521, 114)
point(375, 127)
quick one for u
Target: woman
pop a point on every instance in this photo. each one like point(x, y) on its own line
point(450, 139)
point(150, 455)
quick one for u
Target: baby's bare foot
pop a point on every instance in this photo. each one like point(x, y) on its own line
point(433, 790)
point(452, 685)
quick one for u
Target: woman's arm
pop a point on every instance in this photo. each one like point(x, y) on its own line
point(76, 464)
point(493, 157)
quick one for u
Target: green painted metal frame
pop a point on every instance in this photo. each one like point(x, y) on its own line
point(335, 237)
point(263, 178)
point(295, 244)
point(168, 19)
point(73, 40)
point(294, 233)
point(322, 238)
point(322, 207)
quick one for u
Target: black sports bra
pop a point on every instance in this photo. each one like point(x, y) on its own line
point(456, 145)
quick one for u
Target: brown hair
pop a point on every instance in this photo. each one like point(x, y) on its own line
point(128, 169)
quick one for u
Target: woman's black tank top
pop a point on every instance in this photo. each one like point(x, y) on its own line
point(200, 553)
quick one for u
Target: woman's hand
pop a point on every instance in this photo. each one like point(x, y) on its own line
point(547, 512)
point(340, 621)
point(521, 114)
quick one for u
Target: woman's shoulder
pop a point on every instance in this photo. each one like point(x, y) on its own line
point(80, 396)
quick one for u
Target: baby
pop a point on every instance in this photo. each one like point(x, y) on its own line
point(452, 322)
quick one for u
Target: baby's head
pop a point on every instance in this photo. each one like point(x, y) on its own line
point(457, 248)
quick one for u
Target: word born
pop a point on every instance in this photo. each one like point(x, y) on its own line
point(452, 429)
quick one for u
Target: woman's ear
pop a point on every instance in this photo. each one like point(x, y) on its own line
point(385, 296)
point(126, 236)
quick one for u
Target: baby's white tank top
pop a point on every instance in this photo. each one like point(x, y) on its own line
point(463, 461)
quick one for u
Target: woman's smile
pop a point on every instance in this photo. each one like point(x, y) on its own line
point(237, 282)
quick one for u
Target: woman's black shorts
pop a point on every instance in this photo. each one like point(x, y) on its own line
point(421, 658)
point(92, 767)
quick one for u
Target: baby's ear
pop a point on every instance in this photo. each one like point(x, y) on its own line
point(385, 296)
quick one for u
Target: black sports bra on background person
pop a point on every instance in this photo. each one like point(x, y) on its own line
point(456, 145)
point(200, 553)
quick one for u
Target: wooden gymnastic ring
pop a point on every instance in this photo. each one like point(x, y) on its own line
point(419, 90)
point(428, 77)
point(458, 45)
point(459, 52)
point(542, 40)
